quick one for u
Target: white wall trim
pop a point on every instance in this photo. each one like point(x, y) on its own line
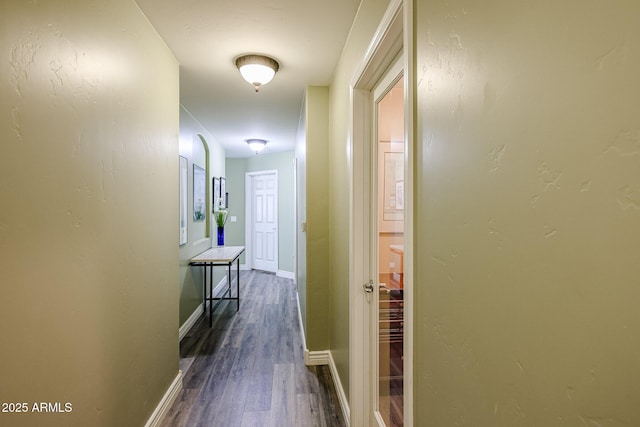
point(223, 283)
point(302, 336)
point(316, 358)
point(342, 397)
point(188, 324)
point(165, 403)
point(286, 274)
point(206, 240)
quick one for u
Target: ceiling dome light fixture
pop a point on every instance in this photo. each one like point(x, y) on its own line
point(257, 69)
point(256, 145)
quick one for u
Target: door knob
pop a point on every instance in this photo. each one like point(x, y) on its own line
point(368, 287)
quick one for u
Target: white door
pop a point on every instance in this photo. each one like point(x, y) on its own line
point(380, 242)
point(381, 224)
point(387, 234)
point(264, 221)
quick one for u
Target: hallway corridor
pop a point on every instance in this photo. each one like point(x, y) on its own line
point(248, 369)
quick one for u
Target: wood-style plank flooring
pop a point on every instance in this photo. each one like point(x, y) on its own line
point(248, 369)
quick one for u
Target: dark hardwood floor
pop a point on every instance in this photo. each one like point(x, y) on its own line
point(248, 369)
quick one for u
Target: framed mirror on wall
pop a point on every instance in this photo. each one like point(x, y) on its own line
point(216, 193)
point(199, 194)
point(223, 192)
point(184, 236)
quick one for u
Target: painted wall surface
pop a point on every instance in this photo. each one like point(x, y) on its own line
point(88, 225)
point(234, 232)
point(199, 147)
point(316, 300)
point(369, 15)
point(528, 213)
point(283, 163)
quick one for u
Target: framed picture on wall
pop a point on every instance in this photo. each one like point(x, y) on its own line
point(391, 198)
point(223, 191)
point(216, 193)
point(199, 194)
point(393, 194)
point(400, 195)
point(183, 201)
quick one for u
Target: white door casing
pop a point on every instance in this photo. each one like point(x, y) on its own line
point(262, 220)
point(391, 39)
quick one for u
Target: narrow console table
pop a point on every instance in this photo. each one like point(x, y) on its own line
point(219, 256)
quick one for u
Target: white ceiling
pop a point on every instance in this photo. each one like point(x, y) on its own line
point(305, 36)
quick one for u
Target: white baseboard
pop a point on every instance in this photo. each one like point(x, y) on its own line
point(304, 339)
point(188, 324)
point(324, 358)
point(280, 273)
point(342, 397)
point(165, 403)
point(221, 284)
point(286, 274)
point(314, 358)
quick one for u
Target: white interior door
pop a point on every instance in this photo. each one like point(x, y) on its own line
point(381, 310)
point(387, 253)
point(264, 221)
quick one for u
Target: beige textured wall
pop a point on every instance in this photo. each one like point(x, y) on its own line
point(527, 213)
point(364, 26)
point(316, 296)
point(88, 189)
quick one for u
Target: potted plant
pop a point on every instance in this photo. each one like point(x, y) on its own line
point(221, 214)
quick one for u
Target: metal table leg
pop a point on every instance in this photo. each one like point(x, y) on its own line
point(210, 294)
point(238, 281)
point(204, 292)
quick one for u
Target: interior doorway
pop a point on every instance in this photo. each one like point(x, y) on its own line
point(381, 316)
point(262, 220)
point(387, 255)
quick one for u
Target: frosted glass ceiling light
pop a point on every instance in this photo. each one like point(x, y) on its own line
point(256, 145)
point(257, 69)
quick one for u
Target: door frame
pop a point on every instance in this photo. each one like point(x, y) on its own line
point(394, 35)
point(248, 225)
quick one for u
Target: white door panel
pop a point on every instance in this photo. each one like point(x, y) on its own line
point(264, 224)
